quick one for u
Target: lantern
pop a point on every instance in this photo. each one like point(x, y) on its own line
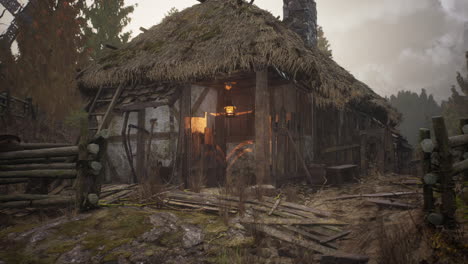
point(229, 109)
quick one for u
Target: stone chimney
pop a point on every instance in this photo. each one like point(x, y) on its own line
point(301, 16)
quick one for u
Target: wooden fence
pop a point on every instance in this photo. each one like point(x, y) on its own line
point(16, 107)
point(34, 162)
point(440, 165)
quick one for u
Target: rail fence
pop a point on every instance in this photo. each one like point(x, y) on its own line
point(45, 161)
point(16, 107)
point(444, 158)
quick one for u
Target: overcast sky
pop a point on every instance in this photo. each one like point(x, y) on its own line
point(389, 44)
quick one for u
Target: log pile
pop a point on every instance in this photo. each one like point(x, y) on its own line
point(293, 223)
point(37, 164)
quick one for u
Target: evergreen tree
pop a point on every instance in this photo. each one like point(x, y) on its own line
point(456, 106)
point(322, 43)
point(107, 19)
point(417, 112)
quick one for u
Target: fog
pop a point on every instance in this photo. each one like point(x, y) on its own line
point(389, 44)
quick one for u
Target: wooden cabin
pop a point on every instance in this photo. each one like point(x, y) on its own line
point(223, 91)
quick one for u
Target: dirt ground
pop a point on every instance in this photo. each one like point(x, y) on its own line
point(148, 234)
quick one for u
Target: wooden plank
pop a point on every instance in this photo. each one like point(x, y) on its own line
point(288, 221)
point(391, 203)
point(301, 159)
point(141, 143)
point(390, 194)
point(308, 235)
point(55, 174)
point(262, 172)
point(341, 148)
point(276, 233)
point(39, 166)
point(333, 238)
point(40, 153)
point(107, 117)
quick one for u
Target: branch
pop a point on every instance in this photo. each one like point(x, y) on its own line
point(3, 13)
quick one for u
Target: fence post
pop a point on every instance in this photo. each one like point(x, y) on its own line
point(428, 194)
point(445, 171)
point(8, 101)
point(82, 165)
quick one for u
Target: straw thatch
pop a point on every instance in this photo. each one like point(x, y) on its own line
point(219, 36)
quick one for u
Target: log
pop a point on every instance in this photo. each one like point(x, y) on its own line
point(29, 146)
point(55, 202)
point(13, 181)
point(81, 177)
point(276, 233)
point(344, 197)
point(428, 195)
point(458, 141)
point(460, 167)
point(40, 153)
point(391, 203)
point(56, 174)
point(93, 149)
point(47, 166)
point(288, 221)
point(299, 207)
point(29, 161)
point(26, 197)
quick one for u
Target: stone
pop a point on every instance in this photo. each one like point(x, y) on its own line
point(301, 17)
point(193, 236)
point(267, 253)
point(344, 259)
point(154, 234)
point(76, 256)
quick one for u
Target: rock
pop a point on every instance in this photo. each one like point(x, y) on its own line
point(154, 234)
point(193, 236)
point(344, 259)
point(77, 255)
point(267, 253)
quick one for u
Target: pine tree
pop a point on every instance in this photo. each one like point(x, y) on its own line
point(322, 43)
point(456, 106)
point(107, 18)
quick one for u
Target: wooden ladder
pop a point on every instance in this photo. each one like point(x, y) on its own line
point(108, 113)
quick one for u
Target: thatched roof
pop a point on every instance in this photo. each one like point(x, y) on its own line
point(219, 36)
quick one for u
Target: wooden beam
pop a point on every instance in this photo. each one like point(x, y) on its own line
point(262, 126)
point(13, 181)
point(141, 142)
point(140, 106)
point(107, 116)
point(40, 153)
point(446, 160)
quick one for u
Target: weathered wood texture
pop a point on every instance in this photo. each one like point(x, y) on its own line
point(141, 144)
point(40, 153)
point(426, 168)
point(38, 166)
point(445, 170)
point(56, 174)
point(262, 128)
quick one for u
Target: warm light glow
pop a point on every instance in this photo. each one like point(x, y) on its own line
point(228, 85)
point(198, 124)
point(230, 111)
